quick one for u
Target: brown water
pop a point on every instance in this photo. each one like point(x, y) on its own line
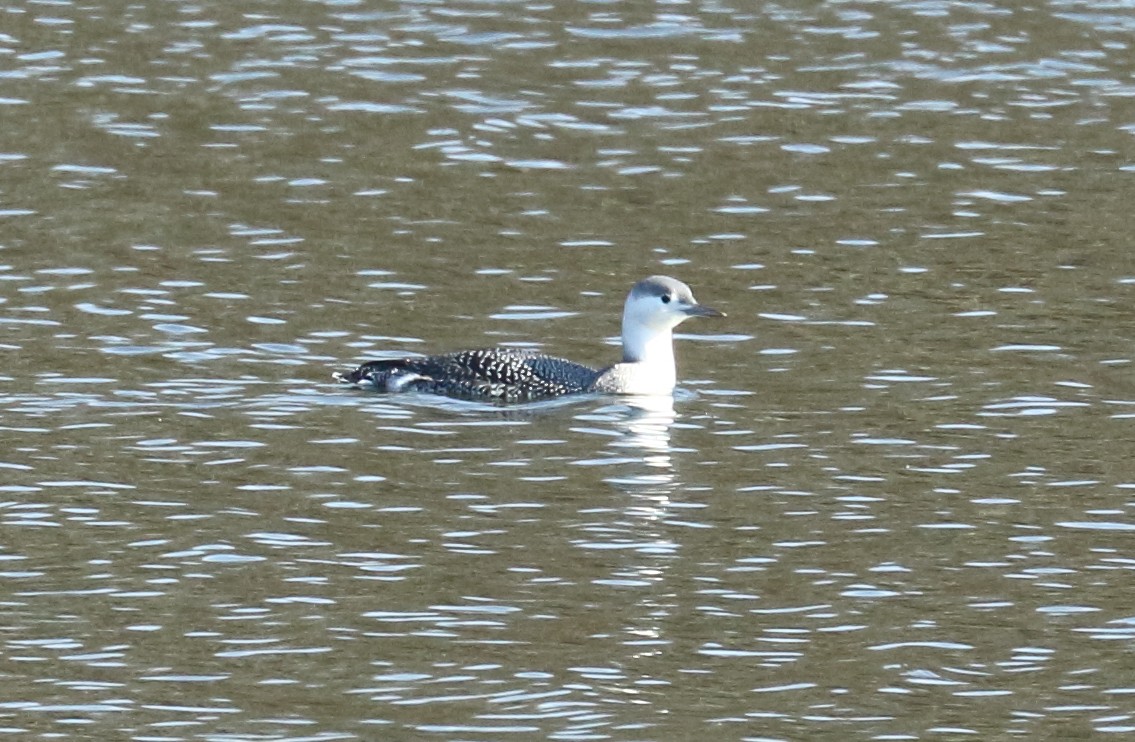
point(892, 500)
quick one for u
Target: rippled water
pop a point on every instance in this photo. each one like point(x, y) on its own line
point(892, 499)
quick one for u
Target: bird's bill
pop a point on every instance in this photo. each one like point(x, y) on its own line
point(699, 310)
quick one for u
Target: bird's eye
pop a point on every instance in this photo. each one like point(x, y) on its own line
point(665, 298)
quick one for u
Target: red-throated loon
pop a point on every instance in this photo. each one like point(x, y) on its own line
point(654, 307)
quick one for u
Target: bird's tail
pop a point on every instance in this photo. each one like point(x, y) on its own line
point(378, 373)
point(346, 377)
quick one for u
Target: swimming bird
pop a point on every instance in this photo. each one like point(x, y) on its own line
point(654, 307)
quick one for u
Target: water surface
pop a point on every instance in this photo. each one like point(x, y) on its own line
point(892, 499)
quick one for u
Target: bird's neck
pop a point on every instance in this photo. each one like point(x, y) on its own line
point(652, 348)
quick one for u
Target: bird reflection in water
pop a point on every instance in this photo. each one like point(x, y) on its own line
point(647, 529)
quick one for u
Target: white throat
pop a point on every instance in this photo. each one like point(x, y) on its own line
point(651, 351)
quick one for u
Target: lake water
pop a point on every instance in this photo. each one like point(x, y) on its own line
point(892, 499)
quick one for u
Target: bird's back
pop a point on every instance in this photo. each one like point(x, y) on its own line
point(491, 374)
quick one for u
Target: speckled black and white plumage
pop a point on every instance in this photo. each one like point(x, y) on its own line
point(501, 374)
point(654, 307)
